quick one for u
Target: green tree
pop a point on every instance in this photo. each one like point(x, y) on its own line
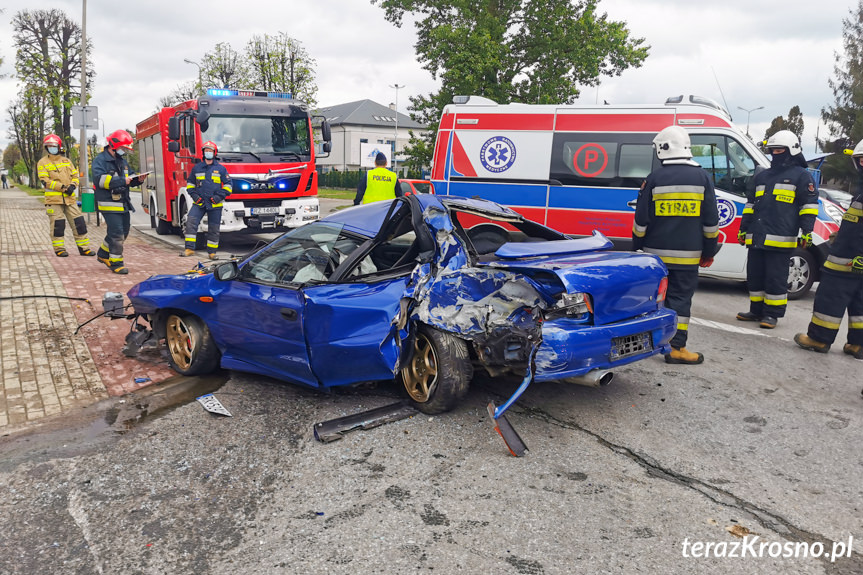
point(844, 118)
point(28, 121)
point(224, 67)
point(279, 63)
point(11, 156)
point(48, 55)
point(531, 51)
point(794, 123)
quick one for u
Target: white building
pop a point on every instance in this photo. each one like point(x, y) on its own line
point(365, 121)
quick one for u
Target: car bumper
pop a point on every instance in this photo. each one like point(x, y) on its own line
point(570, 349)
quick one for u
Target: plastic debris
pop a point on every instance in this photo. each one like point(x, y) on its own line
point(142, 379)
point(334, 429)
point(213, 405)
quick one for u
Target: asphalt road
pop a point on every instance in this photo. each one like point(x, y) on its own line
point(627, 478)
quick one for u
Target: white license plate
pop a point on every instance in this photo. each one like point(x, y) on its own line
point(631, 345)
point(260, 211)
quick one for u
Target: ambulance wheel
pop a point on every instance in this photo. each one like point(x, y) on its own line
point(162, 227)
point(438, 371)
point(191, 349)
point(801, 273)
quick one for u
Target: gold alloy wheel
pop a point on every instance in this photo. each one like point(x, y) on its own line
point(180, 340)
point(420, 375)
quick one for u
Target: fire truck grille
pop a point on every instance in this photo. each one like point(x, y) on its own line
point(262, 203)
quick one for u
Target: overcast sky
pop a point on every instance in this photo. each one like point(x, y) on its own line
point(752, 52)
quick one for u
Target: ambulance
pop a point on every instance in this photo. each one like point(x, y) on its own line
point(578, 168)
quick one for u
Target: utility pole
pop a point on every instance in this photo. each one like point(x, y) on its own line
point(83, 167)
point(200, 81)
point(396, 140)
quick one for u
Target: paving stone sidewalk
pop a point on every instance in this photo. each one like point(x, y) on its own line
point(45, 367)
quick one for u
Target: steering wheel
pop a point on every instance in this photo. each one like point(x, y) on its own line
point(317, 256)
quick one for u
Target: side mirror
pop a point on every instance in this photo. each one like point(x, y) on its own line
point(325, 132)
point(174, 147)
point(202, 117)
point(327, 146)
point(227, 271)
point(173, 128)
point(205, 126)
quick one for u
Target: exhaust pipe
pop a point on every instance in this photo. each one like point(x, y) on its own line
point(593, 378)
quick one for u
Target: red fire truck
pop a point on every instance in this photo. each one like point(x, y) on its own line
point(266, 142)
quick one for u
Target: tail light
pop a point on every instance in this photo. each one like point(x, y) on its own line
point(663, 288)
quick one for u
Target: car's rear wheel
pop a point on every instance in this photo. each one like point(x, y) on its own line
point(191, 348)
point(438, 371)
point(801, 273)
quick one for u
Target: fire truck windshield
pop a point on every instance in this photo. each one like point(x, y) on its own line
point(260, 135)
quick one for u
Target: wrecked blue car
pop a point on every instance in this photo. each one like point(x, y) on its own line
point(425, 289)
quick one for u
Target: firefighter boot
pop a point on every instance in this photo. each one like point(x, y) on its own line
point(768, 322)
point(684, 356)
point(187, 252)
point(211, 256)
point(855, 350)
point(118, 267)
point(747, 316)
point(806, 342)
point(61, 253)
point(86, 252)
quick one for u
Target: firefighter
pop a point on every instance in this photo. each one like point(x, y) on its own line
point(112, 178)
point(781, 201)
point(208, 185)
point(60, 180)
point(379, 184)
point(841, 286)
point(677, 219)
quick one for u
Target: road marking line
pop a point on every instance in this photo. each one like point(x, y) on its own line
point(732, 329)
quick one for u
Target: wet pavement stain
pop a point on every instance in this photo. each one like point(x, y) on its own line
point(77, 433)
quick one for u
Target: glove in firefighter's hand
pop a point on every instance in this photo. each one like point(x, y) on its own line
point(705, 262)
point(805, 240)
point(70, 190)
point(741, 238)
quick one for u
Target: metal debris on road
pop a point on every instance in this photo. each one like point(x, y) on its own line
point(334, 429)
point(213, 405)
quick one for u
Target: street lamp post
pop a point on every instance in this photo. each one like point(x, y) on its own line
point(200, 81)
point(748, 112)
point(82, 147)
point(396, 140)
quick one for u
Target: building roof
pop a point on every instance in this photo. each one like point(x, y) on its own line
point(366, 113)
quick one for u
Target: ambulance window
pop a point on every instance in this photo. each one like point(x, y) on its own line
point(636, 160)
point(728, 163)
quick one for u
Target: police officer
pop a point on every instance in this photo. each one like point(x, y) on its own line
point(677, 219)
point(379, 184)
point(208, 185)
point(60, 180)
point(781, 201)
point(841, 286)
point(111, 179)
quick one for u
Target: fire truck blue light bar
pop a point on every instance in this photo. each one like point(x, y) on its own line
point(247, 93)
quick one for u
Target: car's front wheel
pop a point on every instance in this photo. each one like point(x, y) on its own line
point(801, 273)
point(191, 348)
point(438, 371)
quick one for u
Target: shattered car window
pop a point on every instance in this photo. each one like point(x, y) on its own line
point(307, 254)
point(488, 232)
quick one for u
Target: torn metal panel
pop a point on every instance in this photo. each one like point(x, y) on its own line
point(334, 429)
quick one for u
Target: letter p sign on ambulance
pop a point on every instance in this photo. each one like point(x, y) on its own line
point(590, 160)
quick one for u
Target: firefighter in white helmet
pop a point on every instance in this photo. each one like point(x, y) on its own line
point(781, 207)
point(841, 286)
point(677, 219)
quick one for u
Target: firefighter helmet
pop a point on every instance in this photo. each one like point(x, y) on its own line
point(211, 145)
point(672, 143)
point(785, 139)
point(857, 151)
point(120, 139)
point(52, 140)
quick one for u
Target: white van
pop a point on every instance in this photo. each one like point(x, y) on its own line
point(578, 168)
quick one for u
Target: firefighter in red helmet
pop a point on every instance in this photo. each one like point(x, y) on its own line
point(60, 180)
point(112, 178)
point(208, 185)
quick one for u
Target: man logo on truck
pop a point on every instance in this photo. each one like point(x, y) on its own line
point(497, 154)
